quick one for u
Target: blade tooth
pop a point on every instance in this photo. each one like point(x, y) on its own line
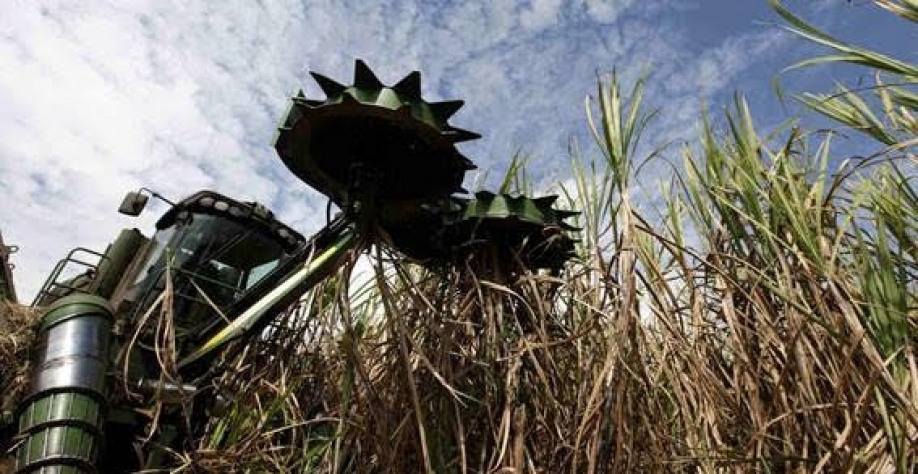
point(364, 77)
point(459, 135)
point(302, 100)
point(468, 164)
point(294, 114)
point(410, 85)
point(300, 94)
point(444, 110)
point(330, 87)
point(546, 200)
point(562, 214)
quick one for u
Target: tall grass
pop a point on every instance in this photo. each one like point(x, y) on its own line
point(765, 323)
point(16, 340)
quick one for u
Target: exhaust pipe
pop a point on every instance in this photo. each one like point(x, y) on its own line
point(61, 418)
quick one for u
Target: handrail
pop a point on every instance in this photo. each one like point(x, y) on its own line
point(51, 282)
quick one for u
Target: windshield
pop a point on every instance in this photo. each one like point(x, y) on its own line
point(211, 259)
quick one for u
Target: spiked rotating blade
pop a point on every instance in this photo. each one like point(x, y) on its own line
point(517, 227)
point(389, 132)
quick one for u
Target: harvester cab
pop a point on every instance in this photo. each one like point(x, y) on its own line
point(213, 249)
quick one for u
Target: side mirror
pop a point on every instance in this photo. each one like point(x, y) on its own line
point(133, 203)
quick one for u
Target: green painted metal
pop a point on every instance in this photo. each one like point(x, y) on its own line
point(530, 229)
point(61, 419)
point(388, 132)
point(117, 257)
point(63, 430)
point(71, 307)
point(298, 281)
point(488, 205)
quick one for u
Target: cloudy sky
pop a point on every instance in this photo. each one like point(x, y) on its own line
point(98, 98)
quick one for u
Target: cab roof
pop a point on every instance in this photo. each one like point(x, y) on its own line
point(248, 213)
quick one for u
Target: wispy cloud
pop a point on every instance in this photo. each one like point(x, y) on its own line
point(100, 98)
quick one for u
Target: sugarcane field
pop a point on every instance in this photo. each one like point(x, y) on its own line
point(378, 273)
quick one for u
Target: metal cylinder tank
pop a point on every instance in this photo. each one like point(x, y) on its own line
point(118, 257)
point(61, 418)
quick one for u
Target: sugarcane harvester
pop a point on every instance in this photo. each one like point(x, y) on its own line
point(383, 155)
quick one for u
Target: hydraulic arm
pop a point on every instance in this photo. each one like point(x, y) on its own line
point(309, 265)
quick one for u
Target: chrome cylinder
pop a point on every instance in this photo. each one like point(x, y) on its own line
point(61, 418)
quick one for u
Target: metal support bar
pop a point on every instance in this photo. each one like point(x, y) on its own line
point(51, 283)
point(309, 266)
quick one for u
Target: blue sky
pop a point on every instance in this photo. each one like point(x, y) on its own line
point(99, 98)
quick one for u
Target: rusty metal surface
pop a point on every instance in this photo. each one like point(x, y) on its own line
point(7, 289)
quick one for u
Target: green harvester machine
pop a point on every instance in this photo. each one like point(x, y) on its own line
point(383, 155)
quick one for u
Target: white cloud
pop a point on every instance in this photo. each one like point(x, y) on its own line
point(99, 98)
point(607, 11)
point(540, 14)
point(715, 68)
